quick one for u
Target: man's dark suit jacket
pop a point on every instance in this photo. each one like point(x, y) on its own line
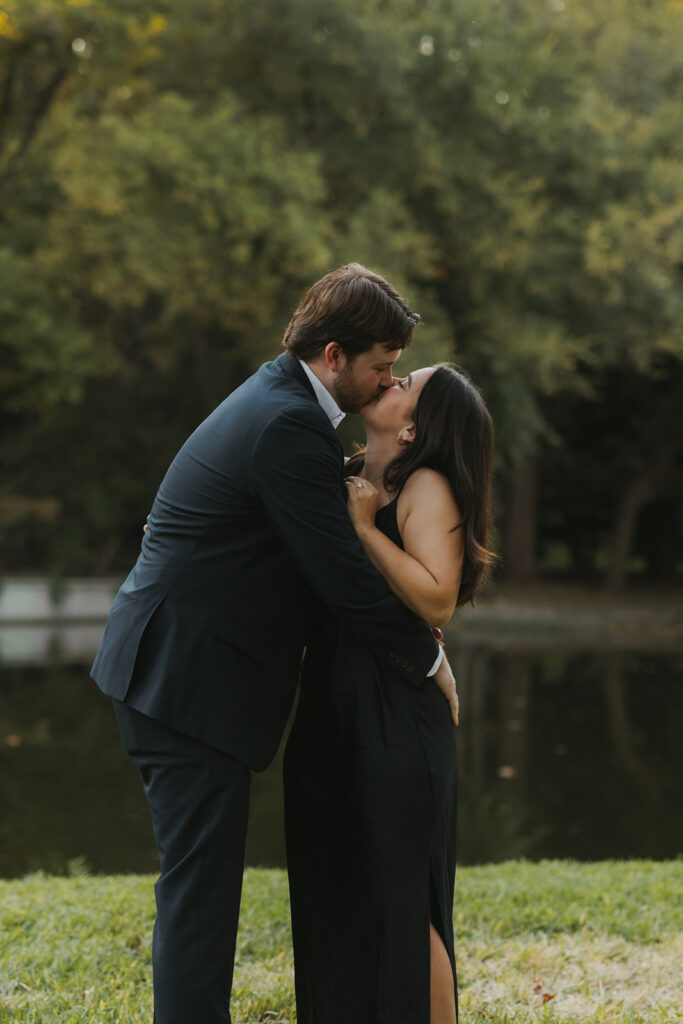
point(249, 532)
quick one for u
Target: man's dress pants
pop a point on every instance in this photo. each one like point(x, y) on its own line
point(199, 801)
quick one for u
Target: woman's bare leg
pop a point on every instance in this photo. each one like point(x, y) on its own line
point(442, 988)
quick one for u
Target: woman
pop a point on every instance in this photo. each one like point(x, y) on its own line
point(370, 770)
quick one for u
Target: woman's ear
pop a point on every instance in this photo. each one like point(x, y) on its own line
point(406, 435)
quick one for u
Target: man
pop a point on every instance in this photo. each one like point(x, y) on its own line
point(249, 524)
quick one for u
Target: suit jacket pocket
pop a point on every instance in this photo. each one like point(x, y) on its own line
point(239, 637)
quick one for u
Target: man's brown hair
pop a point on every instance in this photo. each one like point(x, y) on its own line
point(354, 307)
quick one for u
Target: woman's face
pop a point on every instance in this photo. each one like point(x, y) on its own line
point(393, 410)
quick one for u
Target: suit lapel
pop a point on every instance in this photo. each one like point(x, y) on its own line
point(292, 367)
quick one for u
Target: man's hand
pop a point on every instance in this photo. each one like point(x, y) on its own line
point(445, 680)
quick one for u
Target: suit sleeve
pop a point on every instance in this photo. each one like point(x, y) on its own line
point(296, 474)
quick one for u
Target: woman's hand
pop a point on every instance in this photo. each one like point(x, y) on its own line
point(363, 499)
point(445, 680)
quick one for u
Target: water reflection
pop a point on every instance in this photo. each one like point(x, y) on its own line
point(561, 754)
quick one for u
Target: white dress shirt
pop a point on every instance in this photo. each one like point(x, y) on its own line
point(325, 399)
point(335, 416)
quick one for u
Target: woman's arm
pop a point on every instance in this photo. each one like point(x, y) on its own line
point(426, 574)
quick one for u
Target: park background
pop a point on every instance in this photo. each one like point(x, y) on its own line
point(173, 176)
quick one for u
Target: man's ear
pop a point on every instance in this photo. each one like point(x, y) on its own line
point(334, 357)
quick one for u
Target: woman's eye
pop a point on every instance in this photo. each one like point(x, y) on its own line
point(400, 384)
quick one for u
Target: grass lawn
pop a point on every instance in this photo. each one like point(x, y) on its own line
point(603, 940)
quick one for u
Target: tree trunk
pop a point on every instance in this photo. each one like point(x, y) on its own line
point(32, 120)
point(639, 491)
point(520, 535)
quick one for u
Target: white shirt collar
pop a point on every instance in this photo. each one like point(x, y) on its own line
point(325, 399)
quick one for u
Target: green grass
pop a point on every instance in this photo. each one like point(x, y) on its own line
point(603, 939)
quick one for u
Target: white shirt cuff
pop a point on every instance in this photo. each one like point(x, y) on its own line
point(435, 666)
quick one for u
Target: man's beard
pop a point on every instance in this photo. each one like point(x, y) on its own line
point(347, 394)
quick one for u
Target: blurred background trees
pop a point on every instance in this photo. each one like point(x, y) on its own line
point(173, 176)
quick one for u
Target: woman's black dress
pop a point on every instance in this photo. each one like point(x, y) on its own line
point(370, 811)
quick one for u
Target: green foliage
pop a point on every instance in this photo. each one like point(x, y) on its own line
point(44, 355)
point(79, 949)
point(177, 204)
point(171, 180)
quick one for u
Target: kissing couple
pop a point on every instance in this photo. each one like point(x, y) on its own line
point(264, 542)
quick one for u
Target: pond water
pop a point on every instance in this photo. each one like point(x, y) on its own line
point(562, 753)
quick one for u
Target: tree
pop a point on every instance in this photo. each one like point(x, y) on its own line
point(171, 179)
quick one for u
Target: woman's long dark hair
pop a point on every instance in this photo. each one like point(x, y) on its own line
point(454, 435)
